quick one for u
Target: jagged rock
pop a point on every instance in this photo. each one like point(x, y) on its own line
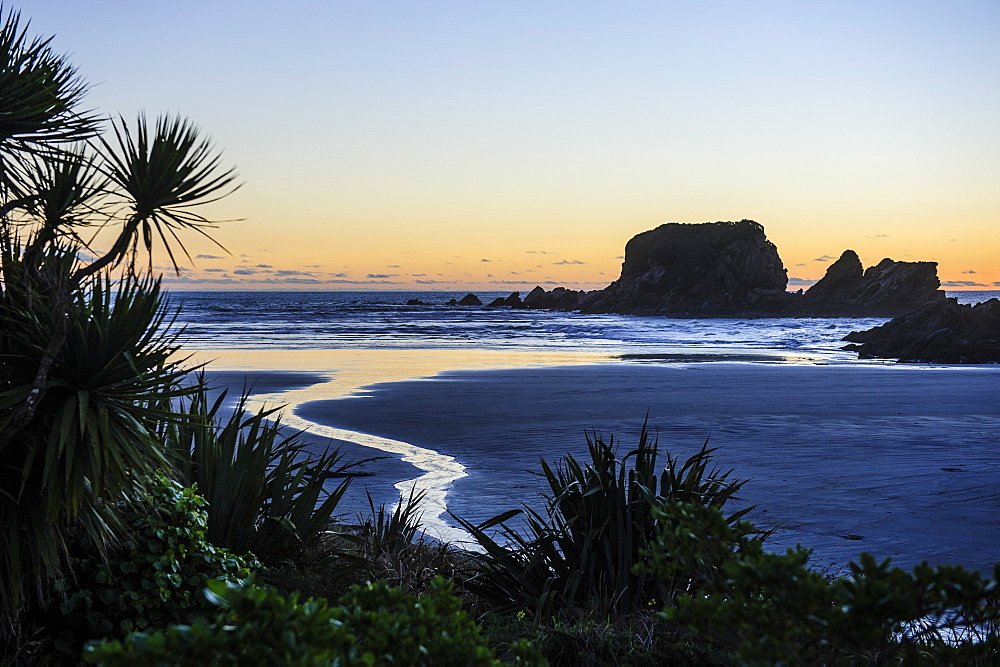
point(708, 269)
point(451, 302)
point(535, 298)
point(840, 279)
point(469, 300)
point(887, 289)
point(944, 331)
point(558, 299)
point(514, 301)
point(415, 302)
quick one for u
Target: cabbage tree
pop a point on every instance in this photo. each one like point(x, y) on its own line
point(88, 362)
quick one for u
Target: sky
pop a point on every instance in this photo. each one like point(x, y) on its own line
point(493, 146)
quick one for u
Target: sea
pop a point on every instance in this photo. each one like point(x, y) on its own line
point(383, 321)
point(354, 370)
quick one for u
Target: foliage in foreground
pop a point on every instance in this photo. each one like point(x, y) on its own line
point(266, 491)
point(601, 517)
point(152, 580)
point(83, 358)
point(372, 624)
point(777, 610)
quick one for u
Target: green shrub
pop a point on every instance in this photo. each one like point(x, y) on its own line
point(773, 608)
point(373, 624)
point(152, 580)
point(600, 519)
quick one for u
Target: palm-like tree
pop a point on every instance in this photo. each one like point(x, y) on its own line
point(87, 359)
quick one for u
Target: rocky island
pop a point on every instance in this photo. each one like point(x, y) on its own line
point(731, 269)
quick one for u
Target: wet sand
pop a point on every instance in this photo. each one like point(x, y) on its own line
point(897, 461)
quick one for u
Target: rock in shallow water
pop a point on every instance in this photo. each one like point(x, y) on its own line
point(944, 332)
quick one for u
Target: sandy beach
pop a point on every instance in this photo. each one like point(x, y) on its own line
point(899, 461)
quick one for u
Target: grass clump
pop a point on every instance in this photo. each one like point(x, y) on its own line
point(600, 518)
point(267, 491)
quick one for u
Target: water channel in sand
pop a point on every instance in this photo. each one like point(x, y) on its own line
point(347, 373)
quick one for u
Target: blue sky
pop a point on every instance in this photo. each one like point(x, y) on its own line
point(401, 144)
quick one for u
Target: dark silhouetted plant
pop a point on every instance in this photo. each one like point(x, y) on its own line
point(86, 361)
point(599, 519)
point(266, 490)
point(391, 547)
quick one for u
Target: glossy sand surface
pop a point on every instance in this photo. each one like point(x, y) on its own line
point(898, 461)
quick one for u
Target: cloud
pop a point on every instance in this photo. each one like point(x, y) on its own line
point(418, 275)
point(622, 257)
point(284, 272)
point(432, 282)
point(195, 281)
point(824, 258)
point(568, 261)
point(263, 266)
point(522, 282)
point(879, 236)
point(801, 281)
point(295, 281)
point(214, 270)
point(245, 272)
point(382, 275)
point(486, 260)
point(208, 257)
point(969, 271)
point(339, 275)
point(963, 283)
point(394, 266)
point(539, 252)
point(800, 265)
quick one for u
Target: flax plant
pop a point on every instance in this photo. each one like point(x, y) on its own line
point(266, 490)
point(600, 518)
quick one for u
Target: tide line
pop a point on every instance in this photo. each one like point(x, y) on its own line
point(439, 470)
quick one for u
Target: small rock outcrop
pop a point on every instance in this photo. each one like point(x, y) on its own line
point(558, 299)
point(887, 289)
point(944, 332)
point(469, 300)
point(708, 270)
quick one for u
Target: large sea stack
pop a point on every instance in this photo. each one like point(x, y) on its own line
point(709, 270)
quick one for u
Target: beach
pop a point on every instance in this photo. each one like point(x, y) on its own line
point(897, 460)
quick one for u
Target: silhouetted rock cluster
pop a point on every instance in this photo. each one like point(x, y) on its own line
point(944, 332)
point(726, 269)
point(730, 269)
point(513, 301)
point(467, 300)
point(887, 289)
